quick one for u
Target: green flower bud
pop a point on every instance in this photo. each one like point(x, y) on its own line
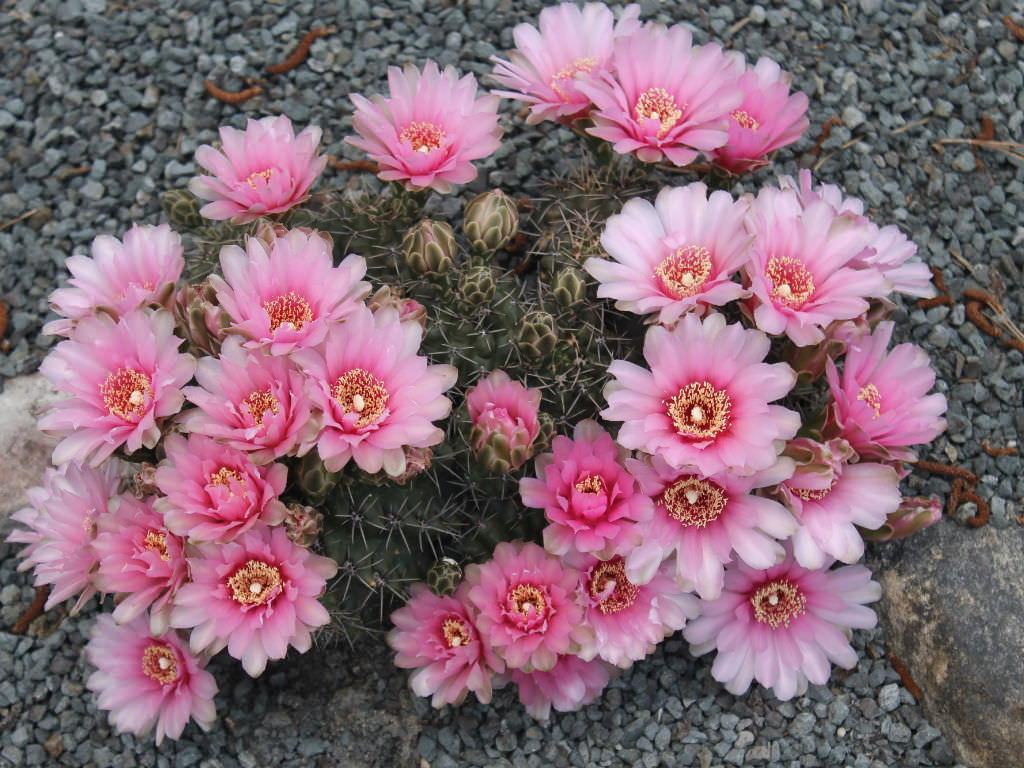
point(569, 287)
point(444, 577)
point(536, 337)
point(548, 431)
point(312, 477)
point(476, 288)
point(182, 209)
point(429, 248)
point(489, 221)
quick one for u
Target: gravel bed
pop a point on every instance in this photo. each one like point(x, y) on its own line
point(102, 108)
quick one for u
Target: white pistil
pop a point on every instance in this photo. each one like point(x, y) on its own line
point(785, 291)
point(137, 397)
point(163, 662)
point(697, 414)
point(692, 495)
point(358, 403)
point(773, 599)
point(255, 587)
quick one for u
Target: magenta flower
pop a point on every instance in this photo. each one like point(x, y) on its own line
point(783, 626)
point(123, 379)
point(376, 394)
point(61, 524)
point(542, 71)
point(881, 404)
point(768, 118)
point(675, 256)
point(264, 169)
point(252, 402)
point(504, 417)
point(437, 637)
point(256, 595)
point(591, 502)
point(705, 400)
point(146, 681)
point(285, 296)
point(525, 608)
point(214, 492)
point(430, 129)
point(570, 684)
point(139, 560)
point(800, 267)
point(707, 522)
point(666, 99)
point(119, 277)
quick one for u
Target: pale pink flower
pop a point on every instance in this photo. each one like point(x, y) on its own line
point(430, 129)
point(252, 402)
point(376, 394)
point(591, 502)
point(570, 684)
point(666, 98)
point(707, 522)
point(768, 118)
point(881, 404)
point(800, 268)
point(409, 310)
point(145, 681)
point(783, 626)
point(914, 514)
point(140, 561)
point(119, 276)
point(807, 193)
point(255, 595)
point(214, 492)
point(674, 256)
point(61, 522)
point(629, 619)
point(526, 612)
point(284, 297)
point(123, 378)
point(436, 636)
point(504, 417)
point(542, 70)
point(705, 400)
point(264, 169)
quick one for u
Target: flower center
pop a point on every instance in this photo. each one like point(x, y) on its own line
point(699, 411)
point(612, 574)
point(289, 310)
point(265, 175)
point(124, 393)
point(565, 76)
point(815, 494)
point(159, 663)
point(424, 137)
point(658, 104)
point(225, 475)
point(157, 540)
point(259, 402)
point(591, 484)
point(745, 120)
point(792, 284)
point(359, 391)
point(872, 397)
point(778, 602)
point(684, 272)
point(255, 583)
point(456, 632)
point(694, 502)
point(528, 604)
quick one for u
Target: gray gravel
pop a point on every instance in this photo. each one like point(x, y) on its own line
point(102, 108)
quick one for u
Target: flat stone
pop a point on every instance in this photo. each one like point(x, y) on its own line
point(953, 610)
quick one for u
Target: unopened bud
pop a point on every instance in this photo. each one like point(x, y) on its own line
point(489, 221)
point(429, 248)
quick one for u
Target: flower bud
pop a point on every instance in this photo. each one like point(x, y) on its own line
point(269, 232)
point(476, 288)
point(489, 221)
point(444, 577)
point(914, 514)
point(199, 317)
point(182, 209)
point(569, 287)
point(505, 424)
point(536, 337)
point(409, 310)
point(429, 248)
point(312, 477)
point(303, 524)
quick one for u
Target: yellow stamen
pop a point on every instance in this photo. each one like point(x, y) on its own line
point(699, 411)
point(745, 120)
point(259, 402)
point(623, 594)
point(124, 393)
point(157, 540)
point(255, 583)
point(424, 137)
point(778, 602)
point(870, 395)
point(684, 272)
point(359, 391)
point(456, 632)
point(591, 484)
point(792, 283)
point(289, 310)
point(658, 104)
point(694, 502)
point(566, 75)
point(265, 175)
point(159, 663)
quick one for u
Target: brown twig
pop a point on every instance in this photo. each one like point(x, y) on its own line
point(943, 299)
point(23, 216)
point(940, 281)
point(947, 470)
point(826, 129)
point(991, 450)
point(352, 166)
point(33, 611)
point(231, 97)
point(299, 54)
point(1016, 31)
point(908, 681)
point(973, 312)
point(983, 296)
point(961, 493)
point(67, 173)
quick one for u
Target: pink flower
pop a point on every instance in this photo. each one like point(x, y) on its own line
point(285, 296)
point(256, 595)
point(808, 194)
point(783, 626)
point(252, 402)
point(570, 684)
point(705, 400)
point(430, 130)
point(629, 619)
point(139, 560)
point(436, 637)
point(146, 681)
point(119, 277)
point(768, 118)
point(525, 607)
point(914, 514)
point(675, 256)
point(666, 99)
point(214, 492)
point(881, 405)
point(705, 521)
point(591, 502)
point(376, 394)
point(264, 169)
point(62, 525)
point(504, 416)
point(800, 267)
point(123, 379)
point(542, 71)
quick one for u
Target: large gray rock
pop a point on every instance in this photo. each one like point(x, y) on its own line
point(25, 450)
point(953, 611)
